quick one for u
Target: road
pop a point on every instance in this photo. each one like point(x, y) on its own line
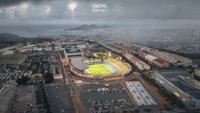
point(73, 97)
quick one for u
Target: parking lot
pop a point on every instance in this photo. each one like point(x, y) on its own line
point(6, 74)
point(59, 99)
point(99, 97)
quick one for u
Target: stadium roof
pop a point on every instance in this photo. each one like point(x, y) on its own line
point(77, 63)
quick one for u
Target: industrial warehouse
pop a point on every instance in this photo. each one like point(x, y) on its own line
point(181, 84)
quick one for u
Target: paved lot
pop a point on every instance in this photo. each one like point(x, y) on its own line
point(12, 59)
point(6, 97)
point(25, 99)
point(101, 98)
point(59, 99)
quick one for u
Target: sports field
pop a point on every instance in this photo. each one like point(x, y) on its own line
point(99, 69)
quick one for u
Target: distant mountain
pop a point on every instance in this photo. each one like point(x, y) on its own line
point(12, 38)
point(88, 27)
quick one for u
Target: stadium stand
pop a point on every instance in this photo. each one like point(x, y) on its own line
point(92, 61)
point(111, 67)
point(122, 68)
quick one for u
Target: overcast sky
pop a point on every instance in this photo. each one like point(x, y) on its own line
point(80, 11)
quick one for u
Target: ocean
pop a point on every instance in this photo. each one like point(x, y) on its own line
point(35, 30)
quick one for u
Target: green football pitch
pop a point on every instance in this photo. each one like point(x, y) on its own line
point(99, 69)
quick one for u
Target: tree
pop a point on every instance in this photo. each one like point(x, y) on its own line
point(42, 71)
point(22, 80)
point(91, 56)
point(124, 111)
point(137, 111)
point(113, 112)
point(147, 110)
point(57, 71)
point(48, 77)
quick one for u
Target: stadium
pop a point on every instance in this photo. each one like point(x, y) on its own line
point(99, 68)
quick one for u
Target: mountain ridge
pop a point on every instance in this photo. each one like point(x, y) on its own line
point(88, 27)
point(7, 38)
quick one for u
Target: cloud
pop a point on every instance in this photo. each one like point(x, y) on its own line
point(72, 6)
point(122, 10)
point(48, 9)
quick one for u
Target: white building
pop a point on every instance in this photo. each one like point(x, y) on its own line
point(197, 72)
point(9, 52)
point(150, 58)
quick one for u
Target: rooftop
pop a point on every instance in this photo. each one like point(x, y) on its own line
point(152, 57)
point(77, 63)
point(74, 50)
point(173, 73)
point(187, 89)
point(159, 60)
point(179, 79)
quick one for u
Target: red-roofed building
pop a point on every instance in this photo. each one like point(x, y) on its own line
point(140, 53)
point(160, 63)
point(58, 76)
